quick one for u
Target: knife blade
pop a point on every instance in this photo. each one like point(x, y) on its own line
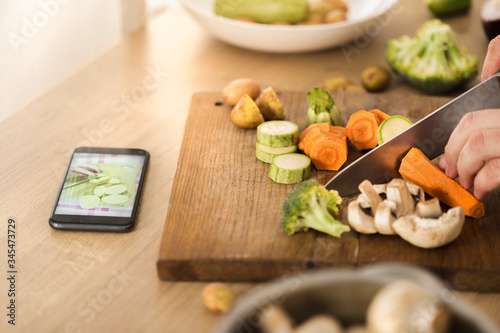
point(430, 134)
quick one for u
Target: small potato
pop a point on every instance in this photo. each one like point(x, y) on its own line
point(335, 83)
point(270, 105)
point(233, 92)
point(352, 88)
point(246, 114)
point(281, 23)
point(315, 18)
point(339, 4)
point(320, 7)
point(217, 297)
point(336, 15)
point(246, 19)
point(376, 78)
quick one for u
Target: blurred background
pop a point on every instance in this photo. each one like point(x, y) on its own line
point(46, 41)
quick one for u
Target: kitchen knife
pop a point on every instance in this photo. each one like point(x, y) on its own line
point(430, 134)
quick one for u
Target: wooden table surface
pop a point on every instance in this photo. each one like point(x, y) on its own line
point(137, 95)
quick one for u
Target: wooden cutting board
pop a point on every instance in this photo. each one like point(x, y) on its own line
point(223, 219)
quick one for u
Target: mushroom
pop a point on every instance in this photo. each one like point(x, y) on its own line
point(416, 191)
point(275, 320)
point(379, 188)
point(384, 218)
point(398, 192)
point(429, 209)
point(367, 189)
point(320, 324)
point(359, 220)
point(430, 233)
point(404, 306)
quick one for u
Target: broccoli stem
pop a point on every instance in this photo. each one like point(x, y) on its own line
point(319, 218)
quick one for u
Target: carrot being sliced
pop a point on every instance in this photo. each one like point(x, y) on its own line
point(381, 116)
point(329, 153)
point(418, 169)
point(361, 129)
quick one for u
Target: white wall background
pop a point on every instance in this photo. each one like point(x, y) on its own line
point(42, 42)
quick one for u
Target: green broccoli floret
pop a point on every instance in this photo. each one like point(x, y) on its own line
point(309, 206)
point(322, 108)
point(432, 60)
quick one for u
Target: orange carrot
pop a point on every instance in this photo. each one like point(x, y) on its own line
point(329, 153)
point(361, 129)
point(381, 116)
point(418, 169)
point(324, 126)
point(313, 133)
point(327, 150)
point(313, 136)
point(338, 130)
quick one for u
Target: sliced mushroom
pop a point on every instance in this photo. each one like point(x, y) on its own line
point(430, 233)
point(320, 324)
point(379, 188)
point(416, 191)
point(405, 306)
point(384, 218)
point(363, 200)
point(429, 209)
point(398, 192)
point(367, 189)
point(275, 320)
point(359, 220)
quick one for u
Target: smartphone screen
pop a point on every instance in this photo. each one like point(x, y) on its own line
point(100, 190)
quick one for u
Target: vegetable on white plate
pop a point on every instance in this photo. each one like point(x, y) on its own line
point(290, 168)
point(278, 133)
point(268, 154)
point(391, 127)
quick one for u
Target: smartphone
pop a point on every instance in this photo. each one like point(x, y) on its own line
point(100, 190)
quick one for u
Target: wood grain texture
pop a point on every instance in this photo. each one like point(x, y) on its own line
point(63, 272)
point(223, 219)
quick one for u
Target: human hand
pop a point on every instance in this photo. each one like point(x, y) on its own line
point(473, 152)
point(492, 60)
point(84, 170)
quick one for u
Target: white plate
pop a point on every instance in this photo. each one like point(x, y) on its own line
point(366, 18)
